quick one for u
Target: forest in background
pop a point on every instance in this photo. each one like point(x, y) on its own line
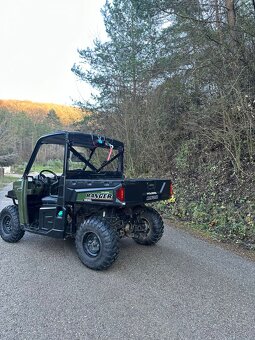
point(23, 122)
point(66, 115)
point(176, 81)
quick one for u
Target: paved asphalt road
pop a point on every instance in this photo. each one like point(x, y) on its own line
point(183, 288)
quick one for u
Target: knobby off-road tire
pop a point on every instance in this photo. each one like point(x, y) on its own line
point(97, 243)
point(10, 229)
point(154, 227)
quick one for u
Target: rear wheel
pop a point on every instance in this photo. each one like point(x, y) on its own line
point(152, 225)
point(97, 243)
point(10, 229)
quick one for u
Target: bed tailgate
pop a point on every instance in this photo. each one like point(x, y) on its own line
point(146, 190)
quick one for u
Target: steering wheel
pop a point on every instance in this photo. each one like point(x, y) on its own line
point(51, 172)
point(48, 182)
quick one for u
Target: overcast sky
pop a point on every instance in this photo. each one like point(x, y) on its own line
point(38, 46)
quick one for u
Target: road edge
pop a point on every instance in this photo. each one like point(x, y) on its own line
point(205, 236)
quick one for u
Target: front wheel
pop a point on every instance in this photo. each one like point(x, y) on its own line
point(153, 227)
point(10, 229)
point(97, 243)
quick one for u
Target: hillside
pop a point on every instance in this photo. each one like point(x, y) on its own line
point(181, 95)
point(66, 114)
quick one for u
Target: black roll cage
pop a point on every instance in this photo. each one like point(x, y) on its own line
point(87, 161)
point(71, 139)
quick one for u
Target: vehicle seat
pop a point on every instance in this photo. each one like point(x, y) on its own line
point(52, 200)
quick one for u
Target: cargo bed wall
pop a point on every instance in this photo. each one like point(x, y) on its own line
point(146, 190)
point(137, 191)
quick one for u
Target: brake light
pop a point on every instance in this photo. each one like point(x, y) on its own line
point(120, 194)
point(171, 190)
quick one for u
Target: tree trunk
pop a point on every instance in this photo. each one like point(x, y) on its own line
point(217, 14)
point(231, 18)
point(231, 15)
point(1, 172)
point(218, 19)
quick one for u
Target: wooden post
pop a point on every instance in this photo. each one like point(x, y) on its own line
point(1, 172)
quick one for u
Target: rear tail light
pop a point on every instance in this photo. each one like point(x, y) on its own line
point(120, 194)
point(171, 190)
point(171, 194)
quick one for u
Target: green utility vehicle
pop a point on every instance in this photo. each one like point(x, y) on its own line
point(90, 199)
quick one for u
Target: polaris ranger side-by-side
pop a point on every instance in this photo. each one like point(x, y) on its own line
point(90, 200)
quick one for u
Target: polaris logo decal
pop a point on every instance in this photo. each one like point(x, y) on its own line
point(95, 196)
point(151, 196)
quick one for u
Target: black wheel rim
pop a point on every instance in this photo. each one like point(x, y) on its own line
point(147, 228)
point(7, 225)
point(91, 244)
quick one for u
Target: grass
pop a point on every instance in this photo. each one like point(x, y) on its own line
point(54, 165)
point(6, 180)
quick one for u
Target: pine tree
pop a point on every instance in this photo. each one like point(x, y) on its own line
point(119, 69)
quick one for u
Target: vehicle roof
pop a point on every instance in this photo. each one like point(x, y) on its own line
point(79, 139)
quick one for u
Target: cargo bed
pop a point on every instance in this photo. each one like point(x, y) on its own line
point(121, 192)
